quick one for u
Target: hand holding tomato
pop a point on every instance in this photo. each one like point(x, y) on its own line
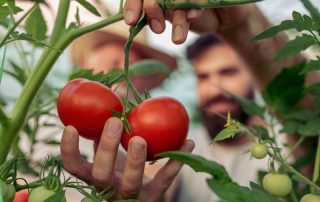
point(113, 168)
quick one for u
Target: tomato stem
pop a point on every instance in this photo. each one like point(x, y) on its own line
point(208, 4)
point(316, 169)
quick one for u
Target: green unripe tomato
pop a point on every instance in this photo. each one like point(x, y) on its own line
point(8, 191)
point(310, 198)
point(87, 199)
point(41, 194)
point(258, 151)
point(277, 184)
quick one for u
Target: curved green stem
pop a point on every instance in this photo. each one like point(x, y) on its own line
point(11, 29)
point(305, 179)
point(208, 4)
point(316, 169)
point(98, 25)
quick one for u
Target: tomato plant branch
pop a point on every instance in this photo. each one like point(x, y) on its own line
point(15, 25)
point(81, 31)
point(299, 175)
point(208, 4)
point(316, 169)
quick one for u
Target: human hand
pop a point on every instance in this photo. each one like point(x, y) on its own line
point(112, 168)
point(198, 20)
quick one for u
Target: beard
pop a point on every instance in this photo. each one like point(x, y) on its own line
point(215, 123)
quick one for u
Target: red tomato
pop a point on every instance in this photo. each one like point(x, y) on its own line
point(86, 105)
point(163, 122)
point(21, 196)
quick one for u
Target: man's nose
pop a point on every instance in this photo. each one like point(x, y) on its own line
point(215, 86)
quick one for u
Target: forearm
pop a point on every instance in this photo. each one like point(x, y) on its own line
point(258, 54)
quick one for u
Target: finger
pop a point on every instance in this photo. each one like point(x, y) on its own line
point(155, 15)
point(164, 178)
point(195, 13)
point(180, 26)
point(132, 11)
point(104, 159)
point(71, 157)
point(134, 168)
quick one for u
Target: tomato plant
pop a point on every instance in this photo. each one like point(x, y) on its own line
point(163, 122)
point(87, 105)
point(258, 151)
point(277, 184)
point(310, 198)
point(21, 196)
point(8, 191)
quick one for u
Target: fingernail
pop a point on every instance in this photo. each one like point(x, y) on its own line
point(178, 33)
point(129, 16)
point(193, 13)
point(137, 148)
point(156, 25)
point(113, 128)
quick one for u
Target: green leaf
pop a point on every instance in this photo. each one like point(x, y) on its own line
point(87, 74)
point(28, 37)
point(314, 12)
point(300, 43)
point(311, 128)
point(286, 89)
point(89, 7)
point(299, 115)
point(4, 120)
point(314, 89)
point(5, 12)
point(18, 73)
point(148, 67)
point(285, 25)
point(313, 65)
point(291, 127)
point(36, 25)
point(249, 106)
point(261, 132)
point(228, 132)
point(58, 197)
point(199, 164)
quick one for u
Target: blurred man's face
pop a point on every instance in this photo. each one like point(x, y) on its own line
point(110, 56)
point(220, 69)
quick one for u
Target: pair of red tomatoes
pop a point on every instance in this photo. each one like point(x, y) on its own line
point(86, 105)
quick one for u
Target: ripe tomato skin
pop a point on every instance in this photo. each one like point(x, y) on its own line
point(21, 196)
point(277, 184)
point(86, 105)
point(163, 122)
point(310, 198)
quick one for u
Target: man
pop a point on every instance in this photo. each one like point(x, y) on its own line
point(103, 51)
point(219, 69)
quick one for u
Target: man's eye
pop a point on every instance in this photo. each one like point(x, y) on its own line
point(202, 76)
point(229, 71)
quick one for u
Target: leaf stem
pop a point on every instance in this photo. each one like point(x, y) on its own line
point(316, 169)
point(208, 4)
